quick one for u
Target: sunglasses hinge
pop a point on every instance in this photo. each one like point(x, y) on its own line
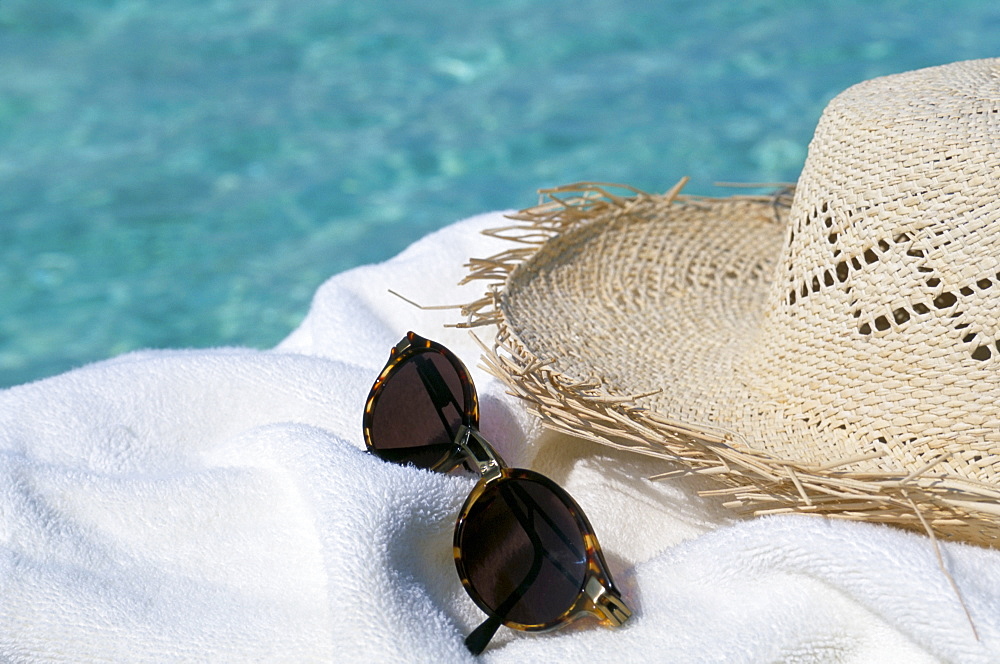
point(610, 607)
point(404, 344)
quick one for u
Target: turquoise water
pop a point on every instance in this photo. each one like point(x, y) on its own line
point(185, 174)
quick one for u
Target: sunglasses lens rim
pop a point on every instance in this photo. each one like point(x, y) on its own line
point(398, 361)
point(584, 568)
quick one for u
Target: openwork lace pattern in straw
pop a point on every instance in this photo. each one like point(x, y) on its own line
point(834, 352)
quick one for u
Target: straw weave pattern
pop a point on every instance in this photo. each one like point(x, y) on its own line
point(835, 353)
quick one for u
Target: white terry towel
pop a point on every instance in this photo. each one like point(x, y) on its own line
point(218, 506)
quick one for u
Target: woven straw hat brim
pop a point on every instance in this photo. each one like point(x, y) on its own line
point(620, 317)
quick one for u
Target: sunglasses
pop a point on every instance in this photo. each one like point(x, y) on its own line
point(525, 551)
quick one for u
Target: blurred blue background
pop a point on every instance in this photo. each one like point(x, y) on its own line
point(186, 173)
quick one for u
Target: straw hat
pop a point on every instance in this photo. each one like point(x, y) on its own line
point(832, 349)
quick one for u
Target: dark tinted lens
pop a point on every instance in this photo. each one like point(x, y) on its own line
point(523, 551)
point(418, 411)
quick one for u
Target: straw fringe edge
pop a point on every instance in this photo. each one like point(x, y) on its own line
point(751, 482)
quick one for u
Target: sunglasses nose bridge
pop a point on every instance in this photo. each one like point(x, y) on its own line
point(479, 454)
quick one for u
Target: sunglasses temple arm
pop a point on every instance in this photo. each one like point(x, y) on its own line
point(477, 641)
point(602, 594)
point(480, 455)
point(438, 390)
point(525, 519)
point(480, 637)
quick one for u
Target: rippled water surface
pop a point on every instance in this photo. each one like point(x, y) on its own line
point(186, 173)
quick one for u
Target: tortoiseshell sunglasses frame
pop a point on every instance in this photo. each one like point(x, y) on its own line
point(598, 595)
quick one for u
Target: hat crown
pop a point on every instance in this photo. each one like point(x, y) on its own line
point(901, 179)
point(885, 310)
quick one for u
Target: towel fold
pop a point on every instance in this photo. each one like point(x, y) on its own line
point(218, 505)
